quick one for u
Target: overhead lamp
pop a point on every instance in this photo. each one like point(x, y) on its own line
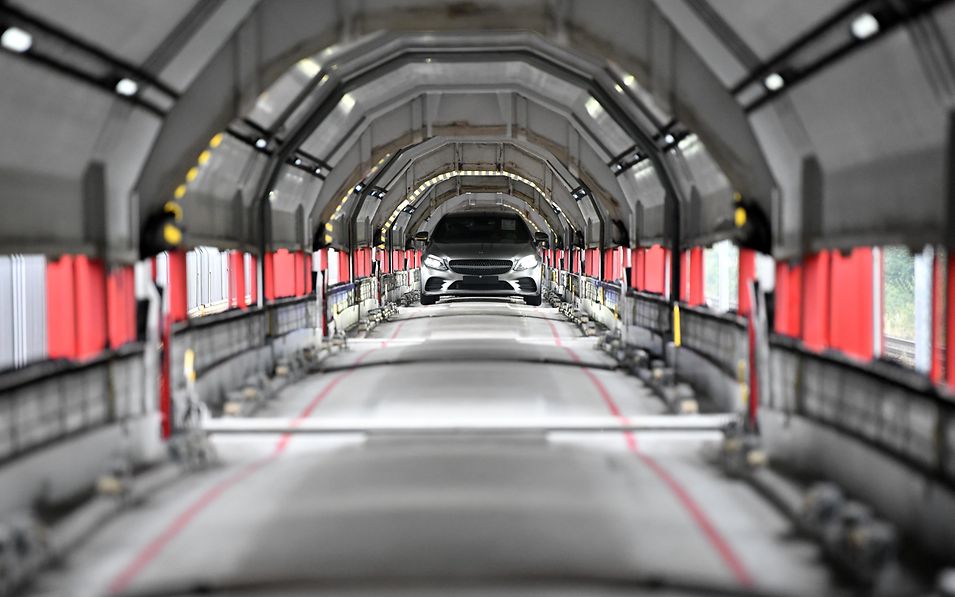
point(774, 82)
point(864, 26)
point(298, 161)
point(16, 40)
point(359, 187)
point(261, 143)
point(318, 170)
point(669, 138)
point(127, 87)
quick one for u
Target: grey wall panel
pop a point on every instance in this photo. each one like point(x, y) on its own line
point(882, 154)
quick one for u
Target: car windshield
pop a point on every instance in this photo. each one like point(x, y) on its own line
point(481, 228)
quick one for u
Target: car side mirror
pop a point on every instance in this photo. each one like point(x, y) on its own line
point(540, 237)
point(421, 236)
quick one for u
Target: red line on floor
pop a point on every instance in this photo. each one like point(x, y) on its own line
point(155, 547)
point(693, 508)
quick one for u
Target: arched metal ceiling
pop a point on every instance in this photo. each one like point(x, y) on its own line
point(854, 148)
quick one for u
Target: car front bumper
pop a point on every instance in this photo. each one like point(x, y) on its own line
point(436, 282)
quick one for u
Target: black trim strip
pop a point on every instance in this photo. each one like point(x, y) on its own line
point(76, 74)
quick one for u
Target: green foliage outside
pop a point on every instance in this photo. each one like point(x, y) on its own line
point(898, 271)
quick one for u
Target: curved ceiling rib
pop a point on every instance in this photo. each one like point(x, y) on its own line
point(334, 95)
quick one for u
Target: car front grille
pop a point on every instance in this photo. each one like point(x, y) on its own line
point(480, 267)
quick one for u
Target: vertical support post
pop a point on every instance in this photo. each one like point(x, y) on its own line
point(747, 272)
point(924, 264)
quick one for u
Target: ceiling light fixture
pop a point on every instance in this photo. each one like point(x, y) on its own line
point(774, 82)
point(261, 143)
point(864, 26)
point(16, 40)
point(127, 87)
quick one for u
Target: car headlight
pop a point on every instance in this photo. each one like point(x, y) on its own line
point(528, 262)
point(435, 263)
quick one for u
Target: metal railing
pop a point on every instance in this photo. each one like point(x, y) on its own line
point(51, 400)
point(892, 408)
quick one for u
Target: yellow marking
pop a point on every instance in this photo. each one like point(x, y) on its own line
point(677, 339)
point(171, 234)
point(189, 364)
point(329, 226)
point(215, 141)
point(739, 216)
point(192, 174)
point(171, 207)
point(180, 191)
point(204, 157)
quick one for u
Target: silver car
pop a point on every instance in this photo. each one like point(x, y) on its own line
point(481, 253)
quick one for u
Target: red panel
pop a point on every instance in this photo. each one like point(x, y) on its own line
point(236, 279)
point(323, 260)
point(284, 274)
point(269, 273)
point(308, 273)
point(176, 285)
point(695, 294)
point(788, 300)
point(685, 275)
point(90, 298)
point(298, 273)
point(950, 335)
point(343, 265)
point(417, 258)
point(747, 272)
point(613, 264)
point(654, 277)
point(815, 297)
point(638, 269)
point(938, 319)
point(121, 304)
point(850, 309)
point(254, 280)
point(60, 308)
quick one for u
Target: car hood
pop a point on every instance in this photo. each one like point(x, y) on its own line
point(481, 250)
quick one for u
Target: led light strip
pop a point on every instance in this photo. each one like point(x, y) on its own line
point(423, 187)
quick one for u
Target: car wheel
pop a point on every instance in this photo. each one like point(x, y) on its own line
point(534, 301)
point(429, 299)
